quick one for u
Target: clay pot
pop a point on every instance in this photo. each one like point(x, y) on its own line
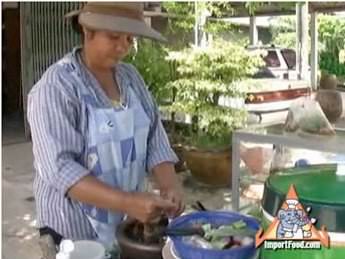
point(329, 82)
point(134, 249)
point(211, 167)
point(331, 104)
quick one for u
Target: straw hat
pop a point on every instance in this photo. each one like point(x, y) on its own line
point(125, 17)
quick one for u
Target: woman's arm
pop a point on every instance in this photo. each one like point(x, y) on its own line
point(170, 186)
point(160, 156)
point(160, 160)
point(142, 206)
point(57, 141)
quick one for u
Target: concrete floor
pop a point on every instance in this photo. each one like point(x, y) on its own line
point(13, 129)
point(19, 237)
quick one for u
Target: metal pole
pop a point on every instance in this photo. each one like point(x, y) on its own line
point(27, 74)
point(196, 25)
point(235, 171)
point(304, 41)
point(302, 62)
point(253, 31)
point(314, 50)
point(298, 40)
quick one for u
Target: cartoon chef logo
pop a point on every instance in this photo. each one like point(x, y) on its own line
point(293, 223)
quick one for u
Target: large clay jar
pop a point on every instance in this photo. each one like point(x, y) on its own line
point(210, 167)
point(328, 82)
point(331, 104)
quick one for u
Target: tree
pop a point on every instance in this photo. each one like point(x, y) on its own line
point(284, 32)
point(331, 35)
point(206, 74)
point(331, 40)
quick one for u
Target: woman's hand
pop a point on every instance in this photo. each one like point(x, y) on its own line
point(175, 196)
point(147, 207)
point(170, 187)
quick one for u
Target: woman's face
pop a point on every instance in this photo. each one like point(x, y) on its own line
point(108, 47)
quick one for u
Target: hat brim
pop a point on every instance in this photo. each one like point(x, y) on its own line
point(97, 21)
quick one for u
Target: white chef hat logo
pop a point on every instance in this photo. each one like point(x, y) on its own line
point(292, 203)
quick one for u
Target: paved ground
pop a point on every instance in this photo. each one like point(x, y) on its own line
point(13, 129)
point(19, 237)
point(18, 220)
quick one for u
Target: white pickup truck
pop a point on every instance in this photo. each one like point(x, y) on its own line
point(270, 99)
point(275, 85)
point(279, 62)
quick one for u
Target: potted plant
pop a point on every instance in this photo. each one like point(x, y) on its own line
point(204, 77)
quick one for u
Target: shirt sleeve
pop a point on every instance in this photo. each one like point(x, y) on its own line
point(159, 149)
point(57, 143)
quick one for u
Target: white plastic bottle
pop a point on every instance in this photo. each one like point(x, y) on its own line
point(66, 247)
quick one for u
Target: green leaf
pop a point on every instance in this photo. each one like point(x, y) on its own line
point(238, 228)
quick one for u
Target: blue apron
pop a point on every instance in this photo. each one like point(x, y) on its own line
point(116, 155)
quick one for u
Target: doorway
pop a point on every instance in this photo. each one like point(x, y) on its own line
point(12, 105)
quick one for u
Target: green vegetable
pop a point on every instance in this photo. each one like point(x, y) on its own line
point(238, 228)
point(219, 243)
point(239, 224)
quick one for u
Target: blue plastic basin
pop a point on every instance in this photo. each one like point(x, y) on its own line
point(215, 218)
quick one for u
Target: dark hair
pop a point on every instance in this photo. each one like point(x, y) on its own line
point(75, 25)
point(77, 28)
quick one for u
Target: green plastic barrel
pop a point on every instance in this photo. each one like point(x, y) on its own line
point(319, 187)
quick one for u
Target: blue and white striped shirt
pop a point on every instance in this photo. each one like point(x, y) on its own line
point(58, 122)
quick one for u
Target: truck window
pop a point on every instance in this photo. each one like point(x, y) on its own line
point(289, 56)
point(272, 59)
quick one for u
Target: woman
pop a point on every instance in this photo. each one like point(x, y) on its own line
point(96, 131)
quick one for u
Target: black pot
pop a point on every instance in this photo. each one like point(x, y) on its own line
point(134, 249)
